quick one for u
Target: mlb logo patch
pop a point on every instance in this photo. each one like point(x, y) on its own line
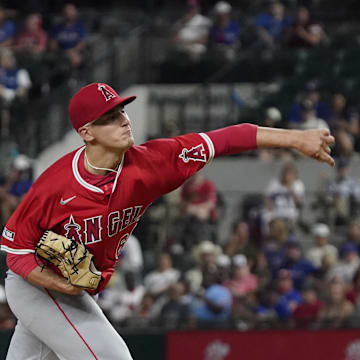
point(8, 235)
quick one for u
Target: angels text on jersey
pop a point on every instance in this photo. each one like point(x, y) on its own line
point(90, 230)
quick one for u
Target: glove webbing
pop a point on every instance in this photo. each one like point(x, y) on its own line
point(72, 246)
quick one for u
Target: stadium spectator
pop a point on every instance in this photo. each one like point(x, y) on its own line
point(7, 29)
point(337, 309)
point(31, 41)
point(131, 256)
point(271, 24)
point(354, 291)
point(267, 317)
point(175, 313)
point(223, 265)
point(198, 211)
point(301, 270)
point(274, 245)
point(17, 184)
point(307, 312)
point(205, 255)
point(353, 232)
point(69, 39)
point(286, 195)
point(242, 281)
point(214, 307)
point(288, 297)
point(191, 32)
point(224, 35)
point(342, 195)
point(311, 92)
point(157, 282)
point(348, 264)
point(308, 119)
point(272, 118)
point(261, 270)
point(7, 319)
point(344, 122)
point(323, 255)
point(243, 313)
point(143, 315)
point(304, 31)
point(119, 304)
point(15, 83)
point(239, 242)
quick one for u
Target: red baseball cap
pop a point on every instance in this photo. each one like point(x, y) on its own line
point(92, 101)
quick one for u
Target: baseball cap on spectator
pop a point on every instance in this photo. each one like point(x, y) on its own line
point(223, 260)
point(92, 101)
point(321, 230)
point(239, 260)
point(222, 7)
point(21, 162)
point(347, 248)
point(273, 113)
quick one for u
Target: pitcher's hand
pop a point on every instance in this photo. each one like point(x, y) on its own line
point(316, 144)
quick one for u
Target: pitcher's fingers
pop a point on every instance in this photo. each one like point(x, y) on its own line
point(327, 148)
point(325, 157)
point(325, 132)
point(329, 139)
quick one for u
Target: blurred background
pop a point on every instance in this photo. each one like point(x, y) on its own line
point(256, 244)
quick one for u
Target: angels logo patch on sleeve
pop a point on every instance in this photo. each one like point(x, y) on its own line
point(196, 153)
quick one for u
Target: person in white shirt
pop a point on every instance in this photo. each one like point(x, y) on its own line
point(192, 32)
point(119, 303)
point(158, 281)
point(286, 194)
point(322, 255)
point(132, 255)
point(308, 118)
point(347, 267)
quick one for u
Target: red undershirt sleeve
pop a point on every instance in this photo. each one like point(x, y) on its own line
point(233, 139)
point(22, 265)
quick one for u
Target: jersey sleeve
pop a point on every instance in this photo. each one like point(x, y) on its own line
point(171, 161)
point(23, 230)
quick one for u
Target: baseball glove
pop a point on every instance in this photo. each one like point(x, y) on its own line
point(73, 259)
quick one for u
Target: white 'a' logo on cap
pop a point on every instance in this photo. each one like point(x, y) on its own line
point(108, 95)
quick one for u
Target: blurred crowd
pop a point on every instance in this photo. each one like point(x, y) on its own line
point(37, 54)
point(279, 267)
point(290, 260)
point(312, 111)
point(221, 34)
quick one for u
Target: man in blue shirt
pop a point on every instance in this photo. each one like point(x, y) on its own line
point(299, 267)
point(7, 29)
point(270, 25)
point(70, 36)
point(224, 34)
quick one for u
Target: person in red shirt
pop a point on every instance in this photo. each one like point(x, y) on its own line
point(198, 210)
point(96, 195)
point(307, 312)
point(32, 40)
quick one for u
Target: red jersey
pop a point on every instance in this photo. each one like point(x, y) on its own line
point(63, 201)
